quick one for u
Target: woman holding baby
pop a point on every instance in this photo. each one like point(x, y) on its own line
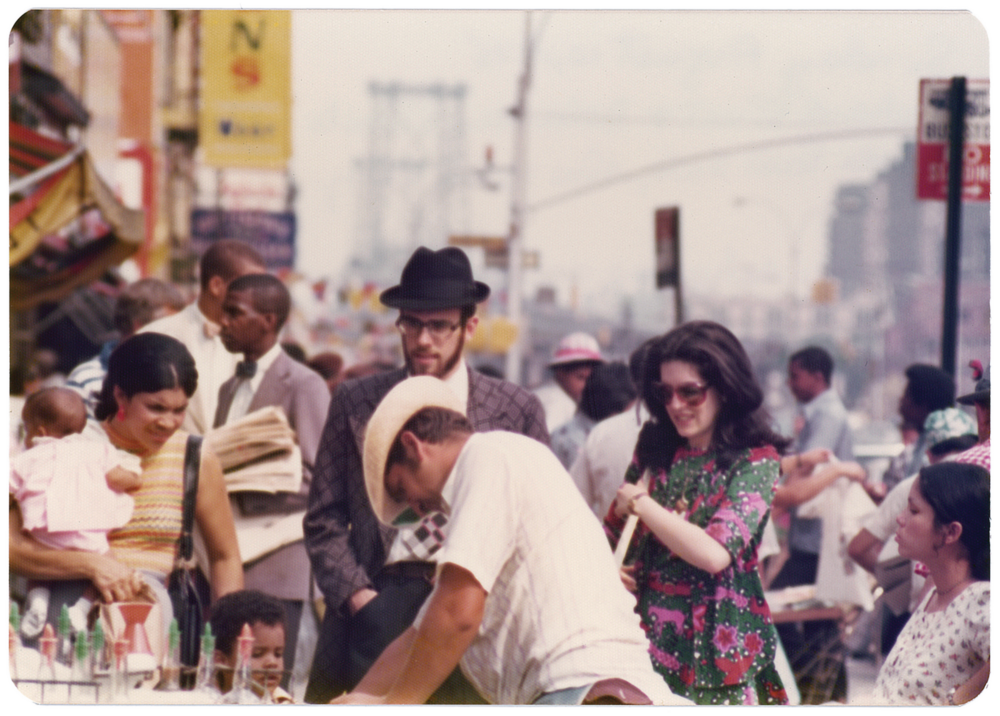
point(149, 381)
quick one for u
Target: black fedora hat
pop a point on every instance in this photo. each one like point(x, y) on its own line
point(435, 280)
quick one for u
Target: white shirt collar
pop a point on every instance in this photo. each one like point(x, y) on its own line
point(458, 381)
point(199, 316)
point(450, 486)
point(813, 406)
point(246, 389)
point(267, 360)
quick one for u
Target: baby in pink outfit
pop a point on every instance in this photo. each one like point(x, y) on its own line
point(71, 486)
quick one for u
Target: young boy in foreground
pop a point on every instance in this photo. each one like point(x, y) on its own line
point(266, 617)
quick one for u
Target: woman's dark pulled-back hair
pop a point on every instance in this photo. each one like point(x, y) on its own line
point(146, 363)
point(960, 492)
point(723, 364)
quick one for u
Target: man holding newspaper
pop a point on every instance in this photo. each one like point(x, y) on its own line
point(272, 393)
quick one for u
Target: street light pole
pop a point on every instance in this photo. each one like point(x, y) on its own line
point(953, 228)
point(519, 172)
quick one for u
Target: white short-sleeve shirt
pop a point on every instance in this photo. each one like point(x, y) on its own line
point(556, 615)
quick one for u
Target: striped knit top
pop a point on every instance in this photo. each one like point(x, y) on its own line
point(149, 540)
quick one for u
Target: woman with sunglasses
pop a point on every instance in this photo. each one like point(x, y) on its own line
point(712, 462)
point(942, 656)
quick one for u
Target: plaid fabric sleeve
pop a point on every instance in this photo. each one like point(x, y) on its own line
point(334, 503)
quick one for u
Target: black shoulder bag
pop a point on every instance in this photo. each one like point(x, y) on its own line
point(182, 584)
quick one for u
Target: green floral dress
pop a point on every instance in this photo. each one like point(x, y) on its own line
point(711, 635)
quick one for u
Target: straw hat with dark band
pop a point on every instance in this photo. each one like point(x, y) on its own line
point(399, 405)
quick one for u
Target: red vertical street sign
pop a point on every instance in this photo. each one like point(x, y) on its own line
point(932, 141)
point(667, 238)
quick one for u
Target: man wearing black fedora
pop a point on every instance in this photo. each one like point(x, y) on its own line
point(374, 578)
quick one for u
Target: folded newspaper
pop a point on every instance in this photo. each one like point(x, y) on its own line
point(258, 452)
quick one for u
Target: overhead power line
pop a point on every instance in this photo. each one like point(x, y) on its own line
point(753, 146)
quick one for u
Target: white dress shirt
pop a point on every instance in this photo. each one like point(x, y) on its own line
point(214, 363)
point(599, 468)
point(559, 407)
point(247, 387)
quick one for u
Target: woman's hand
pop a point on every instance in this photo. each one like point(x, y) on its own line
point(627, 574)
point(625, 493)
point(115, 581)
point(31, 559)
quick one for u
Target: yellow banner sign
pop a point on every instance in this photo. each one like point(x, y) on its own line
point(245, 118)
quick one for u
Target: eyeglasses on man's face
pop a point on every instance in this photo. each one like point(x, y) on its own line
point(691, 394)
point(438, 328)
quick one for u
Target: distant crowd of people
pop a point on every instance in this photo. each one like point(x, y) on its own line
point(615, 536)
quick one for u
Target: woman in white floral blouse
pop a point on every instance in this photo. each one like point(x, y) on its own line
point(942, 655)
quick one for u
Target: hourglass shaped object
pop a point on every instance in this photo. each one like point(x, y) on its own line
point(134, 615)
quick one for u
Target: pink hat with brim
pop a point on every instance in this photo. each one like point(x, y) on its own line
point(576, 348)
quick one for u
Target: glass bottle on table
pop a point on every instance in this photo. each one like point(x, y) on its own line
point(47, 650)
point(119, 673)
point(206, 683)
point(243, 691)
point(64, 646)
point(80, 671)
point(83, 687)
point(170, 669)
point(99, 665)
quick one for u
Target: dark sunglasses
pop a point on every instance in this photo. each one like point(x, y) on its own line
point(691, 394)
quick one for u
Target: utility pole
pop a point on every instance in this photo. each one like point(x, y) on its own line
point(517, 212)
point(953, 226)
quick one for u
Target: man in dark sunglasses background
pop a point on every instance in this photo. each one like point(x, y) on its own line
point(374, 578)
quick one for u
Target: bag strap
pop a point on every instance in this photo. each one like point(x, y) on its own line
point(192, 466)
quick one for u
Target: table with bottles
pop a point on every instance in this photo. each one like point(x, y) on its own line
point(84, 668)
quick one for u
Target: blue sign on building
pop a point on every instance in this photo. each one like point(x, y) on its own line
point(271, 233)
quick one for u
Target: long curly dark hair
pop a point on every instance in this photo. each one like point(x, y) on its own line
point(723, 364)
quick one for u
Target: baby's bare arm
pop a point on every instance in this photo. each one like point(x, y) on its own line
point(122, 480)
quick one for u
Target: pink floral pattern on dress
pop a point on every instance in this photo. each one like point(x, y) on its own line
point(711, 636)
point(937, 651)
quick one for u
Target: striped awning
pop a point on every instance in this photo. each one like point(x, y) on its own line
point(53, 183)
point(30, 151)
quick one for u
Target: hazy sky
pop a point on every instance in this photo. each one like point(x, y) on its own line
point(616, 91)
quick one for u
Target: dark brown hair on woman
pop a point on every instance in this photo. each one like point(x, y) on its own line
point(146, 363)
point(723, 364)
